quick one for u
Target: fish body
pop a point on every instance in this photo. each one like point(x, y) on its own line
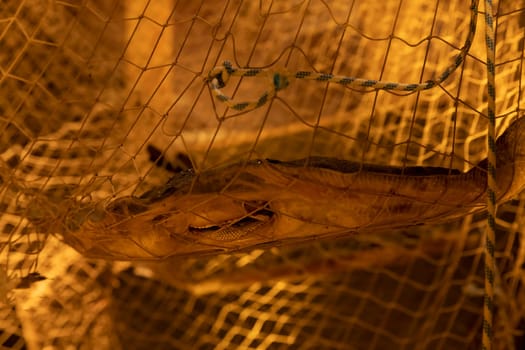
point(265, 203)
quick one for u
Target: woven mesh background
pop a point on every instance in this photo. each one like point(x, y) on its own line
point(92, 92)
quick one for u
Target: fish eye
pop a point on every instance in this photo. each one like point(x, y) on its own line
point(126, 206)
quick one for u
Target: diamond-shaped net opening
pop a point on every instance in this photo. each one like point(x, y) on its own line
point(226, 174)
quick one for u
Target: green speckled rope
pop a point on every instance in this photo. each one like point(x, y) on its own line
point(490, 238)
point(279, 79)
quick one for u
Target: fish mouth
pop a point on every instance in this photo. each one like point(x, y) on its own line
point(255, 219)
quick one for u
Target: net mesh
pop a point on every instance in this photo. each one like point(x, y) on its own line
point(103, 100)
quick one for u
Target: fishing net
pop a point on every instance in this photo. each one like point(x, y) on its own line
point(102, 102)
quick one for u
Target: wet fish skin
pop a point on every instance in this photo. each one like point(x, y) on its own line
point(265, 203)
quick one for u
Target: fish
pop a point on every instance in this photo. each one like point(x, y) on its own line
point(265, 203)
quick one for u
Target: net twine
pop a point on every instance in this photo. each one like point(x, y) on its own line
point(279, 79)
